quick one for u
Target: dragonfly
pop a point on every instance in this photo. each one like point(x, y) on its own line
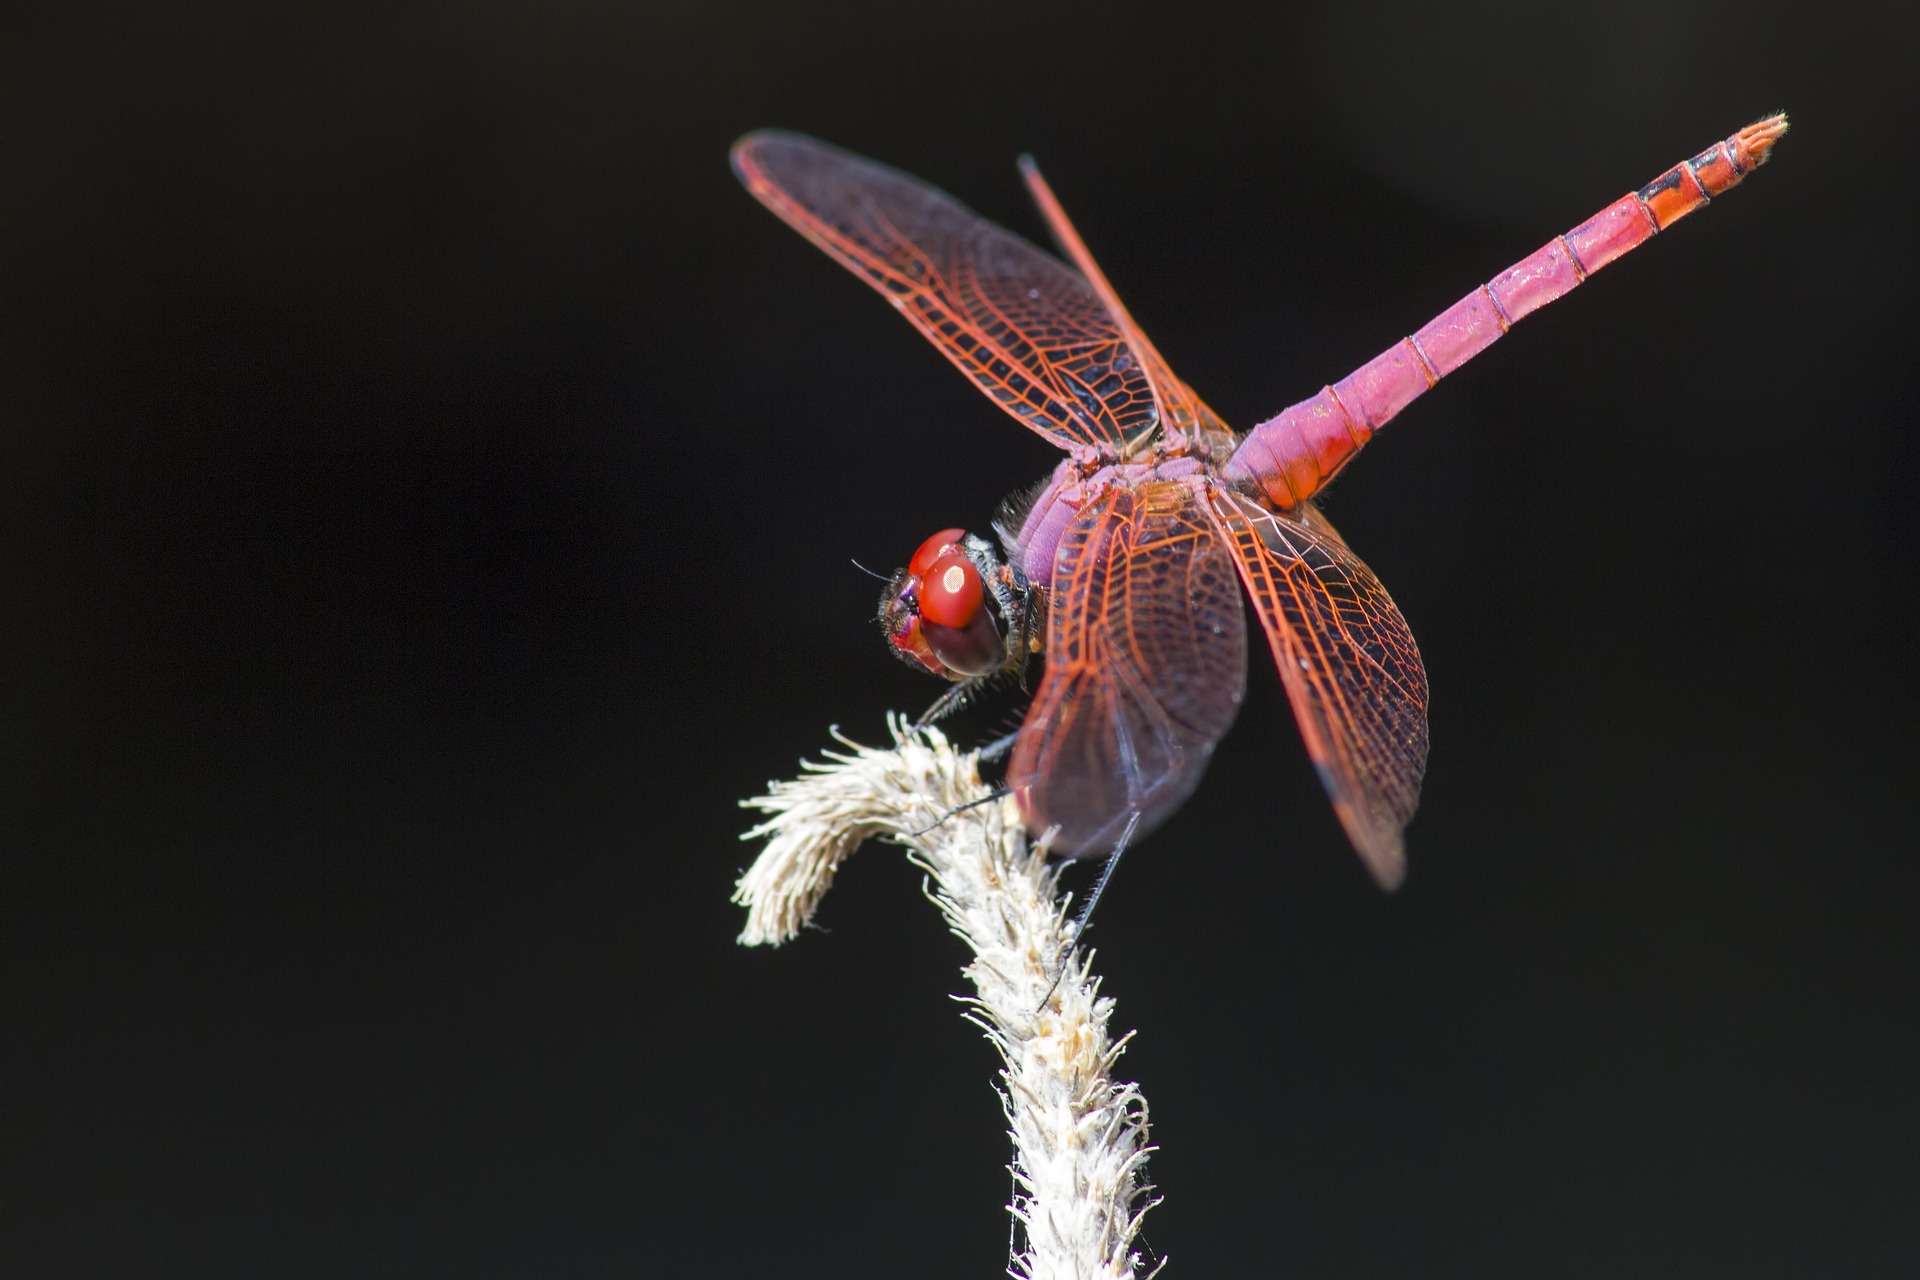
point(1123, 571)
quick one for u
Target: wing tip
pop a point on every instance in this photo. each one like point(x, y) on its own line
point(740, 154)
point(747, 149)
point(1382, 846)
point(1387, 866)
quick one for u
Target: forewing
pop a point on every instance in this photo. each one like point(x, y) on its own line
point(1350, 666)
point(1146, 664)
point(1027, 329)
point(1182, 412)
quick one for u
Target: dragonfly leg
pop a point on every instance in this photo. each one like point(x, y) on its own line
point(952, 700)
point(998, 793)
point(1093, 900)
point(997, 750)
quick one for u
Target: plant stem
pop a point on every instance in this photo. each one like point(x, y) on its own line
point(1079, 1138)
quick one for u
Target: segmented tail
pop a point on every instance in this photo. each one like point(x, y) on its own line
point(1290, 456)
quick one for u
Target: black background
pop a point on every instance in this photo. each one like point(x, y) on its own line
point(428, 491)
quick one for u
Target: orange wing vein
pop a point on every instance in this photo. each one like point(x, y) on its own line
point(1146, 664)
point(1350, 667)
point(1183, 411)
point(1026, 328)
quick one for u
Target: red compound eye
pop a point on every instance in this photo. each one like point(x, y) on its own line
point(930, 550)
point(951, 591)
point(909, 641)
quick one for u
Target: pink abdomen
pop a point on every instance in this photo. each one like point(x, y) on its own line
point(1287, 458)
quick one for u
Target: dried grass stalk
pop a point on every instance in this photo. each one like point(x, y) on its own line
point(1080, 1139)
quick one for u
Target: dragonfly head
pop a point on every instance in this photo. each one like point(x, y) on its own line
point(952, 608)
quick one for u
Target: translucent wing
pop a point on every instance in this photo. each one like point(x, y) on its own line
point(1027, 329)
point(1350, 666)
point(1182, 411)
point(1146, 664)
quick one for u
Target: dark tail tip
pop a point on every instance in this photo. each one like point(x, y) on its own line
point(1753, 144)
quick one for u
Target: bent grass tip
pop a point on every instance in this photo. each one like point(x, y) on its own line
point(1080, 1138)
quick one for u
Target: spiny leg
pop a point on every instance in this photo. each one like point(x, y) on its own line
point(1086, 912)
